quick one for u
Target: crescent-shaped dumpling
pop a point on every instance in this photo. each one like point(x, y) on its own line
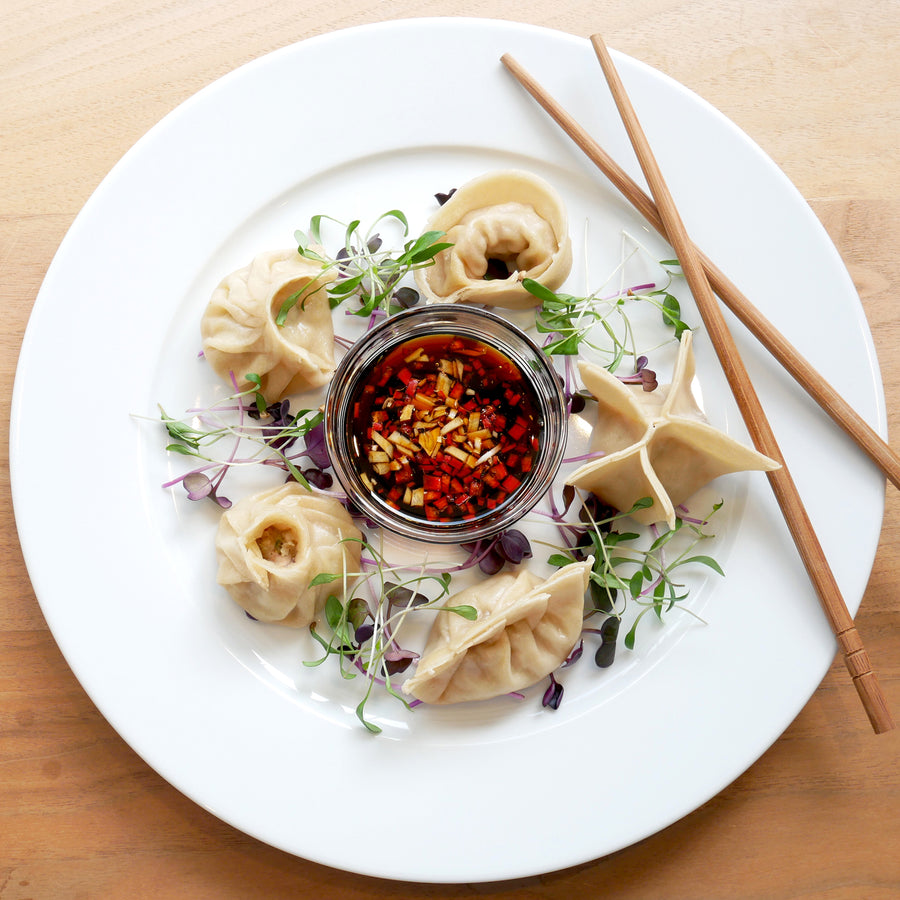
point(657, 444)
point(525, 628)
point(272, 545)
point(239, 331)
point(509, 217)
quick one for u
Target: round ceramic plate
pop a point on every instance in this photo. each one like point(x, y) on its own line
point(352, 124)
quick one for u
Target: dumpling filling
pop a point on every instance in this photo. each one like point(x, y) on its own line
point(277, 545)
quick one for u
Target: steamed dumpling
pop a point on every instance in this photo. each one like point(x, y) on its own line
point(657, 444)
point(525, 629)
point(239, 331)
point(512, 217)
point(272, 545)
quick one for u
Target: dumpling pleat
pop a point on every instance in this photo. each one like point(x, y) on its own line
point(240, 334)
point(525, 628)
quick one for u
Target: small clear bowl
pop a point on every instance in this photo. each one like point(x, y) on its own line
point(471, 324)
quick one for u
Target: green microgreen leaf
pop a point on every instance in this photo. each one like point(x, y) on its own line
point(324, 578)
point(466, 612)
point(703, 561)
point(258, 398)
point(183, 449)
point(559, 560)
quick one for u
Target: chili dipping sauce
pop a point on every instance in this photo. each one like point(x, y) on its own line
point(444, 427)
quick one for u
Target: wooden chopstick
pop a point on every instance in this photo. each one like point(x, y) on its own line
point(855, 657)
point(784, 352)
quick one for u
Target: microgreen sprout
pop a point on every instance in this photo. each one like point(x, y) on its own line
point(491, 554)
point(643, 375)
point(553, 695)
point(571, 322)
point(668, 304)
point(625, 571)
point(365, 634)
point(366, 267)
point(271, 428)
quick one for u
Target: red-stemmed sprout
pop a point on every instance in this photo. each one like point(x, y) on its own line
point(270, 428)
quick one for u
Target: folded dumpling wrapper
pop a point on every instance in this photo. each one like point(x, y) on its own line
point(240, 335)
point(525, 628)
point(272, 545)
point(657, 444)
point(508, 215)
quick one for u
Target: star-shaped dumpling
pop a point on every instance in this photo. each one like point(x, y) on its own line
point(656, 444)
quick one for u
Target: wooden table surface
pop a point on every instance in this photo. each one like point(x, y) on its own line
point(814, 82)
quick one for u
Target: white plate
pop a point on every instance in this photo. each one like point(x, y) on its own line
point(354, 123)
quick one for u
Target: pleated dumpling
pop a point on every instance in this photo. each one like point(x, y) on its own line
point(510, 220)
point(656, 444)
point(240, 334)
point(272, 545)
point(525, 628)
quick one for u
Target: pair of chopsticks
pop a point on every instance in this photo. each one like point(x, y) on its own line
point(704, 280)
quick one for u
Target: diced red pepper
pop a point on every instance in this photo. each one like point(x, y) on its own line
point(517, 429)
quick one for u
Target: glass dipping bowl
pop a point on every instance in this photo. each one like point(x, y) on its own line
point(345, 441)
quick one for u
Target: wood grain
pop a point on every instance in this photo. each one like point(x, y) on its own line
point(81, 816)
